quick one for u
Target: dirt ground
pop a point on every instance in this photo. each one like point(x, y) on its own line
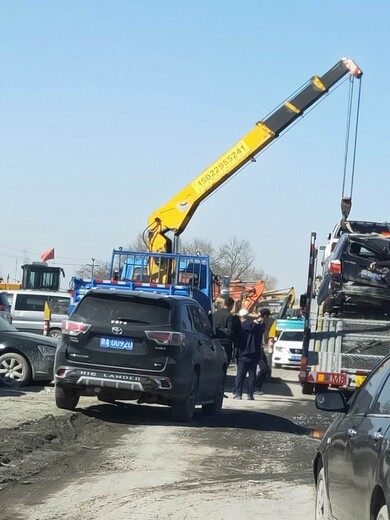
point(130, 461)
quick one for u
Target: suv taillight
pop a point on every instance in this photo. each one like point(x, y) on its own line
point(74, 328)
point(2, 308)
point(165, 338)
point(335, 267)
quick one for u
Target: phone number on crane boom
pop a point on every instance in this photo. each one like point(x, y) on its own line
point(225, 164)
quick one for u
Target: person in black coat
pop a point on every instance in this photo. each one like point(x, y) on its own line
point(226, 327)
point(248, 355)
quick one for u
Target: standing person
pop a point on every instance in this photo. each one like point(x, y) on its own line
point(248, 355)
point(226, 328)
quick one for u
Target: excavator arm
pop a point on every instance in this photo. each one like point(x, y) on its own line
point(175, 215)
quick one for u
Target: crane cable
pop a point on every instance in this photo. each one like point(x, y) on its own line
point(347, 137)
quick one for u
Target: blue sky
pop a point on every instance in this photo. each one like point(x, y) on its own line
point(108, 108)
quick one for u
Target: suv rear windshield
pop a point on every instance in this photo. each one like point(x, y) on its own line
point(130, 310)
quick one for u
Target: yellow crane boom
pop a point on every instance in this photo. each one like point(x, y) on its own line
point(175, 214)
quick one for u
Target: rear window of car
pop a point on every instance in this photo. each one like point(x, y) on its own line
point(293, 335)
point(139, 311)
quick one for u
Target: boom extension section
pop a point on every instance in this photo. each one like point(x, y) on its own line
point(175, 215)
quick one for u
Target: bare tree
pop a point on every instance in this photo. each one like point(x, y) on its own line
point(236, 258)
point(199, 246)
point(137, 244)
point(100, 270)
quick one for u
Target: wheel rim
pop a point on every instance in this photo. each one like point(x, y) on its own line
point(55, 335)
point(11, 370)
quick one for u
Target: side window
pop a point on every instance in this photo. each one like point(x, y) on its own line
point(366, 395)
point(206, 325)
point(29, 302)
point(382, 405)
point(186, 321)
point(59, 305)
point(201, 323)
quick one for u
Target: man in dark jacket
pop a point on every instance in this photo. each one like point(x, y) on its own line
point(226, 328)
point(248, 355)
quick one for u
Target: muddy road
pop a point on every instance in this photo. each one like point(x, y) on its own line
point(130, 461)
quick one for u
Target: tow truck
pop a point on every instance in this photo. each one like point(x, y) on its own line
point(163, 268)
point(338, 351)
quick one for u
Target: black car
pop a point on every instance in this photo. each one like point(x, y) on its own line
point(349, 278)
point(24, 357)
point(148, 347)
point(352, 465)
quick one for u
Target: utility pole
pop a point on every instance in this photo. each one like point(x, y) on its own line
point(92, 266)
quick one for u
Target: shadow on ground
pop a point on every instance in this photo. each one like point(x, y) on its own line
point(135, 414)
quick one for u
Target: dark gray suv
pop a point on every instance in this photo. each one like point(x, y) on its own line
point(148, 347)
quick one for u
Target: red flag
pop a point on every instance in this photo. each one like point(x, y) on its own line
point(47, 255)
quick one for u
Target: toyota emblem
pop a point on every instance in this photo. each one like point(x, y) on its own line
point(117, 330)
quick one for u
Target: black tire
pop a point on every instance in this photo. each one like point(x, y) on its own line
point(15, 370)
point(183, 411)
point(215, 407)
point(66, 398)
point(322, 500)
point(307, 388)
point(383, 514)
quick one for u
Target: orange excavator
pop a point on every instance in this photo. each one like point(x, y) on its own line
point(244, 294)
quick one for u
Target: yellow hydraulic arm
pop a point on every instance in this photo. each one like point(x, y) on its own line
point(174, 215)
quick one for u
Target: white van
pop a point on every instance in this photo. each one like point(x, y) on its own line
point(27, 310)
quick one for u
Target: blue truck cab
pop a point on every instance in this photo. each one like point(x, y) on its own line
point(163, 273)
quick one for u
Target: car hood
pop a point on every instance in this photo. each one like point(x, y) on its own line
point(288, 344)
point(28, 336)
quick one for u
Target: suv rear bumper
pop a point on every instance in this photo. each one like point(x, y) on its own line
point(82, 377)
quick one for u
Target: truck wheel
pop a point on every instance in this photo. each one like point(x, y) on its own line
point(383, 514)
point(307, 388)
point(183, 411)
point(15, 370)
point(66, 398)
point(215, 407)
point(322, 500)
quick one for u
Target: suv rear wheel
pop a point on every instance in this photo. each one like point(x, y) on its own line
point(66, 398)
point(183, 411)
point(215, 407)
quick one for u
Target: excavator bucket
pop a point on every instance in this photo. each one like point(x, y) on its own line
point(346, 203)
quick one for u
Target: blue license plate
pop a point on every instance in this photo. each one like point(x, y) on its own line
point(296, 358)
point(117, 343)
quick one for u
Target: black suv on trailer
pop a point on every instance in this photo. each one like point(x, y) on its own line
point(149, 347)
point(353, 274)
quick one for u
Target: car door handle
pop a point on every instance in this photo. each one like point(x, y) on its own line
point(351, 432)
point(377, 436)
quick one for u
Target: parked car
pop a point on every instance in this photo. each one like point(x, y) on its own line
point(351, 467)
point(148, 347)
point(288, 348)
point(5, 309)
point(24, 357)
point(27, 310)
point(353, 226)
point(348, 277)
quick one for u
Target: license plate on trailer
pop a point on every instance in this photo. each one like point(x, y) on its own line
point(360, 380)
point(116, 343)
point(331, 378)
point(296, 358)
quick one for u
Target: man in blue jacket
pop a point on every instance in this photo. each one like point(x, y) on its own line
point(248, 354)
